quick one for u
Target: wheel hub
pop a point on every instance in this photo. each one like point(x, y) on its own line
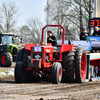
point(83, 66)
point(3, 59)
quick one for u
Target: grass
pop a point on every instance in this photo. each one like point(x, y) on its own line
point(6, 75)
point(13, 64)
point(3, 70)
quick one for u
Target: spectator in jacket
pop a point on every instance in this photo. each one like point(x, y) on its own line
point(83, 34)
point(96, 31)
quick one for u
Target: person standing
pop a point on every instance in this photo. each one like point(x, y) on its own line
point(96, 32)
point(83, 34)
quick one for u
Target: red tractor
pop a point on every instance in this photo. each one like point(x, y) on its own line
point(68, 63)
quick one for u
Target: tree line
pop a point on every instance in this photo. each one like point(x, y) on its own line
point(9, 14)
point(70, 13)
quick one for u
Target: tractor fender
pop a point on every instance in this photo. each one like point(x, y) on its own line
point(12, 49)
point(65, 48)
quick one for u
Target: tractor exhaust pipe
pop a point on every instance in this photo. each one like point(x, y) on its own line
point(45, 42)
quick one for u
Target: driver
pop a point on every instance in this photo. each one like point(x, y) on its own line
point(51, 39)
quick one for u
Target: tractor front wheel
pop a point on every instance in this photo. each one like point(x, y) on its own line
point(6, 59)
point(80, 65)
point(56, 73)
point(19, 73)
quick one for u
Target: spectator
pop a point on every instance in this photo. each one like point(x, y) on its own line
point(96, 31)
point(68, 34)
point(51, 39)
point(83, 34)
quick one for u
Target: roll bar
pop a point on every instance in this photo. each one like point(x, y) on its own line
point(63, 37)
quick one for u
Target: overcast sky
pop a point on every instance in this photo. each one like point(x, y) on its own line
point(29, 8)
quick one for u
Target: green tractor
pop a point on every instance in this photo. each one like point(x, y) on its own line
point(8, 51)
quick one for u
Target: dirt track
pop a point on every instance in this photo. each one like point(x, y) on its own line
point(9, 90)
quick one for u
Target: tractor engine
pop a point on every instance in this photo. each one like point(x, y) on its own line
point(41, 57)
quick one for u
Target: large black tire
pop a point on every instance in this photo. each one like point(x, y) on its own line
point(68, 66)
point(23, 57)
point(26, 53)
point(19, 73)
point(6, 59)
point(56, 73)
point(20, 55)
point(28, 74)
point(80, 65)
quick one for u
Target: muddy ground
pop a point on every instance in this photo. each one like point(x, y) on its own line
point(9, 90)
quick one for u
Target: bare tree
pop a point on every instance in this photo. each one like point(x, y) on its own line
point(57, 9)
point(79, 9)
point(73, 13)
point(31, 32)
point(8, 16)
point(24, 32)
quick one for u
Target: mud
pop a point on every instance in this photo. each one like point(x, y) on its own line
point(9, 90)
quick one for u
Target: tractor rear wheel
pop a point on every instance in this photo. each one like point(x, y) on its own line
point(28, 74)
point(19, 73)
point(80, 65)
point(6, 59)
point(26, 53)
point(23, 57)
point(20, 55)
point(56, 73)
point(68, 66)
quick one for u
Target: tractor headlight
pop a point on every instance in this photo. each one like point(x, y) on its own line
point(37, 56)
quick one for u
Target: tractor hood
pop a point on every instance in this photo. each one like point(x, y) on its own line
point(13, 49)
point(12, 45)
point(16, 46)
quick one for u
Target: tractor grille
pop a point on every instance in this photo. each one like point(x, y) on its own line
point(37, 55)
